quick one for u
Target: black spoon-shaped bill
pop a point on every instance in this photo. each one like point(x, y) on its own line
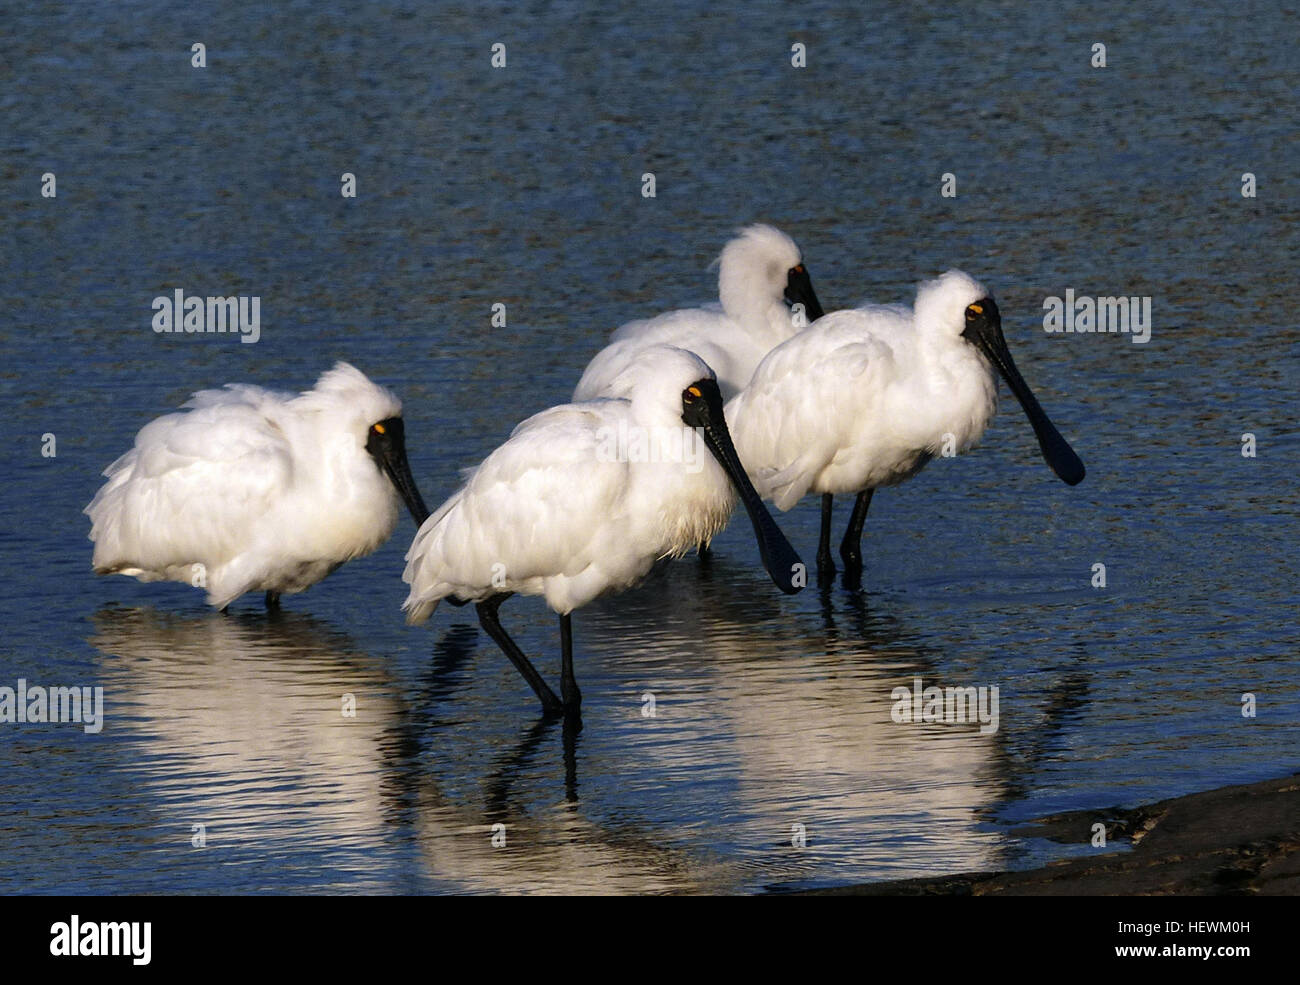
point(386, 443)
point(704, 411)
point(984, 328)
point(799, 290)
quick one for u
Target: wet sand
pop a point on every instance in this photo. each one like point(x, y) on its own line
point(1240, 840)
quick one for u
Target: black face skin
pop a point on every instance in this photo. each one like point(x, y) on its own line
point(702, 408)
point(984, 331)
point(799, 290)
point(386, 443)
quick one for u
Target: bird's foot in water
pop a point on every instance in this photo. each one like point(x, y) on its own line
point(852, 569)
point(571, 698)
point(552, 707)
point(825, 569)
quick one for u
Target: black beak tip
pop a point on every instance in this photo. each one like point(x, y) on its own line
point(790, 575)
point(1068, 467)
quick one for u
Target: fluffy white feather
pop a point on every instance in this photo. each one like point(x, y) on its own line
point(550, 512)
point(733, 337)
point(248, 489)
point(864, 397)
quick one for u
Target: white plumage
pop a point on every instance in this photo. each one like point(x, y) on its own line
point(253, 490)
point(759, 271)
point(560, 515)
point(864, 398)
point(568, 510)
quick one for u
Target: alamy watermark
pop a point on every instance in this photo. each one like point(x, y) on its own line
point(1126, 315)
point(946, 705)
point(58, 705)
point(631, 443)
point(195, 314)
point(102, 939)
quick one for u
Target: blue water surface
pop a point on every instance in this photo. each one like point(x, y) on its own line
point(771, 760)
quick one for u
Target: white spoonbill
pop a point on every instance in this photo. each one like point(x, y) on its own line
point(866, 397)
point(577, 503)
point(760, 271)
point(253, 490)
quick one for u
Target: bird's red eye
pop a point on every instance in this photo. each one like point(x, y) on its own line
point(378, 429)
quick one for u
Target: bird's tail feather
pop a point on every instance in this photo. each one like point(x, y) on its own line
point(419, 612)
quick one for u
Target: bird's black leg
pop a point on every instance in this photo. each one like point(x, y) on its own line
point(487, 616)
point(851, 546)
point(705, 553)
point(273, 601)
point(569, 692)
point(825, 566)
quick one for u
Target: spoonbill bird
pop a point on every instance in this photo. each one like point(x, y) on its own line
point(760, 271)
point(253, 490)
point(577, 502)
point(866, 397)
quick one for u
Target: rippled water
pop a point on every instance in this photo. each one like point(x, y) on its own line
point(522, 186)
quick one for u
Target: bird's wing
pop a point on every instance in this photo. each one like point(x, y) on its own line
point(192, 485)
point(803, 402)
point(532, 509)
point(672, 326)
point(704, 331)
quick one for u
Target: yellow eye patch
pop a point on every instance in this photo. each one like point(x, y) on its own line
point(694, 391)
point(977, 309)
point(380, 429)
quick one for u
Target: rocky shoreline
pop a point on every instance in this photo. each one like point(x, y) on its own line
point(1240, 840)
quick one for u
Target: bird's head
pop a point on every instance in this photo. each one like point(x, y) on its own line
point(348, 400)
point(386, 443)
point(958, 307)
point(763, 266)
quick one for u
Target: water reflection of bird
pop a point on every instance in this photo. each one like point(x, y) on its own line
point(795, 724)
point(269, 732)
point(519, 846)
point(241, 727)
